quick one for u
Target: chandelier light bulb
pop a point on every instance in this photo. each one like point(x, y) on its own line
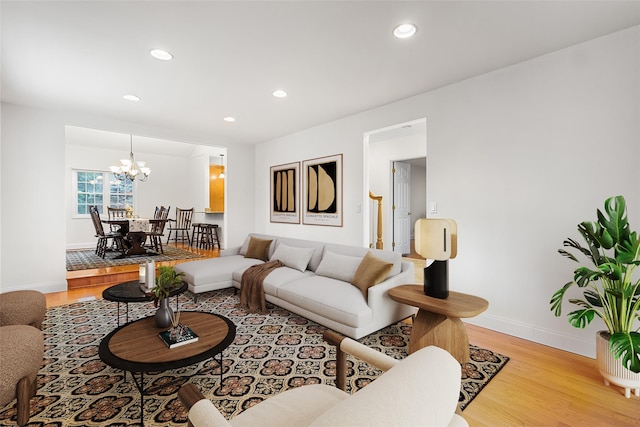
point(130, 169)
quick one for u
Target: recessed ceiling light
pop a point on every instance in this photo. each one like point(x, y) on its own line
point(161, 54)
point(131, 97)
point(279, 93)
point(404, 31)
point(229, 119)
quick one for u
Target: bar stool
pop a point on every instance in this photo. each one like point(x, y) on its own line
point(211, 235)
point(197, 235)
point(205, 236)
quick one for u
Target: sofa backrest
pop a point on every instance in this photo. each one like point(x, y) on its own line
point(289, 241)
point(356, 251)
point(321, 248)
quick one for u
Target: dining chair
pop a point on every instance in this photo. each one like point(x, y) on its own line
point(182, 225)
point(103, 238)
point(157, 228)
point(113, 213)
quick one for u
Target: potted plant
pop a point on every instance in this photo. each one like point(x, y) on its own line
point(167, 280)
point(609, 291)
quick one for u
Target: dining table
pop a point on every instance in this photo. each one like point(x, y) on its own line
point(134, 231)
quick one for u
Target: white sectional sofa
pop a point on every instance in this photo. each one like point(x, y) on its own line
point(315, 281)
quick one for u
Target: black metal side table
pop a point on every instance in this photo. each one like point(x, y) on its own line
point(130, 292)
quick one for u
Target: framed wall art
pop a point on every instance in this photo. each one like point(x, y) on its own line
point(285, 193)
point(322, 191)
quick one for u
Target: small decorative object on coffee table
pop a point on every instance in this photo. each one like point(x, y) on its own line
point(178, 334)
point(436, 239)
point(167, 281)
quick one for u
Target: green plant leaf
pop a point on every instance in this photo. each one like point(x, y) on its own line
point(611, 271)
point(583, 276)
point(556, 299)
point(626, 346)
point(567, 254)
point(570, 243)
point(593, 298)
point(581, 318)
point(628, 252)
point(615, 224)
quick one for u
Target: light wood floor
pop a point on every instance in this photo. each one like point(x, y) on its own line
point(540, 386)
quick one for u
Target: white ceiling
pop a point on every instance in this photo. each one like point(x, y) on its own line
point(334, 58)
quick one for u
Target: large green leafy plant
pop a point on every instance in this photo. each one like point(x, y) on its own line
point(609, 289)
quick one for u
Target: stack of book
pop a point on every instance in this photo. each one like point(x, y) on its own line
point(178, 335)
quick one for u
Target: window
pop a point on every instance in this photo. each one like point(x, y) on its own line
point(100, 189)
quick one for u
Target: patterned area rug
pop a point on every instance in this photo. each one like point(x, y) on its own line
point(85, 259)
point(271, 353)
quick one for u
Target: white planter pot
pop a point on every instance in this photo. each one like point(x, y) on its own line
point(611, 368)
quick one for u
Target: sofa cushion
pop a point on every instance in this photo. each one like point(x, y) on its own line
point(331, 298)
point(371, 271)
point(214, 270)
point(258, 249)
point(245, 245)
point(275, 279)
point(297, 258)
point(336, 266)
point(389, 256)
point(299, 243)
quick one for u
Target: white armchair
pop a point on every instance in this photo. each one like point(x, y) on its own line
point(421, 390)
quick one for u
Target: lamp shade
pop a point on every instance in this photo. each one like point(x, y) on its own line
point(436, 239)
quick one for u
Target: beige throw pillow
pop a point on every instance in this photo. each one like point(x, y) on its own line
point(258, 248)
point(371, 271)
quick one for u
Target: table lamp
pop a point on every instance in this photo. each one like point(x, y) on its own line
point(436, 239)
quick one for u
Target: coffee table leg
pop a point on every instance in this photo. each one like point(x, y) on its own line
point(140, 387)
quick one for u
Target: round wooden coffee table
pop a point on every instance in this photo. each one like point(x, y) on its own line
point(137, 348)
point(130, 292)
point(438, 320)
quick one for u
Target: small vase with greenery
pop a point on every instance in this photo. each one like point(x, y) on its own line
point(609, 289)
point(167, 280)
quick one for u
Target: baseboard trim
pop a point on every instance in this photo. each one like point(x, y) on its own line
point(536, 334)
point(45, 288)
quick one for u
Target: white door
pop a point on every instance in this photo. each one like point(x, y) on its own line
point(401, 207)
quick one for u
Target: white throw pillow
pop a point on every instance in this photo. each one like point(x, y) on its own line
point(336, 266)
point(297, 258)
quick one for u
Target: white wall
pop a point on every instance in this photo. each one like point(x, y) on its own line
point(34, 180)
point(517, 157)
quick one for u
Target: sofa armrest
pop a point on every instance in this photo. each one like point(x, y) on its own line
point(202, 413)
point(378, 296)
point(230, 251)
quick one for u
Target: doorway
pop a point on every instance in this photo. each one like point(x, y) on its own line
point(401, 147)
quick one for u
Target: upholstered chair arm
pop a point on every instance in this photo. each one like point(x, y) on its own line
point(344, 346)
point(202, 413)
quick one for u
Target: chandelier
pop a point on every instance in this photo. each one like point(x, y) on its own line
point(130, 169)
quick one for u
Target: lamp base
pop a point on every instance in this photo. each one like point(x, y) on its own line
point(436, 279)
